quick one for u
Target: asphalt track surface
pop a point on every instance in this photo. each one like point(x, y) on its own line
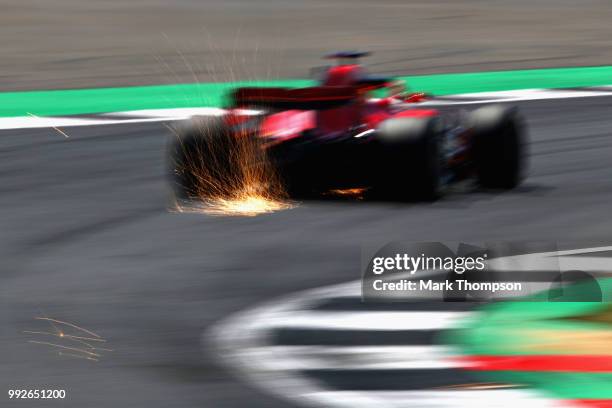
point(87, 237)
point(55, 44)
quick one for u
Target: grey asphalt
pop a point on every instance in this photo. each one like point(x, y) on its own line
point(87, 237)
point(51, 44)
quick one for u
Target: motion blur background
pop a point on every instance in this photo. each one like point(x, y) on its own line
point(90, 43)
point(85, 232)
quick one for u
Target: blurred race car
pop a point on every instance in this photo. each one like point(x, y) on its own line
point(352, 131)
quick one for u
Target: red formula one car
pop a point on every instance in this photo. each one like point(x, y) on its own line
point(344, 134)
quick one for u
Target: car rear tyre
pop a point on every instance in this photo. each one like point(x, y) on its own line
point(499, 146)
point(411, 165)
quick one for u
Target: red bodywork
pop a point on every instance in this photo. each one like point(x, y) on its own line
point(345, 106)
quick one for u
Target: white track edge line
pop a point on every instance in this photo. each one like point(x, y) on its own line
point(172, 114)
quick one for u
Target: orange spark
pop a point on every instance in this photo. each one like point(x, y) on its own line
point(68, 324)
point(246, 206)
point(355, 193)
point(68, 336)
point(230, 174)
point(52, 127)
point(79, 350)
point(88, 351)
point(77, 356)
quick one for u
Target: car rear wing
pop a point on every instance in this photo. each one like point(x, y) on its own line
point(313, 98)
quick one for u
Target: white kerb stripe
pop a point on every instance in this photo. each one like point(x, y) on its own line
point(352, 357)
point(404, 320)
point(435, 399)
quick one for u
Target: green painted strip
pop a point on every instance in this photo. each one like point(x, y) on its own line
point(513, 328)
point(81, 101)
point(449, 84)
point(541, 328)
point(560, 385)
point(516, 337)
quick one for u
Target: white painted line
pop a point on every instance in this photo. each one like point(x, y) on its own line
point(161, 115)
point(348, 358)
point(29, 122)
point(142, 116)
point(243, 344)
point(582, 251)
point(435, 399)
point(41, 122)
point(535, 94)
point(556, 260)
point(171, 112)
point(180, 113)
point(366, 320)
point(516, 96)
